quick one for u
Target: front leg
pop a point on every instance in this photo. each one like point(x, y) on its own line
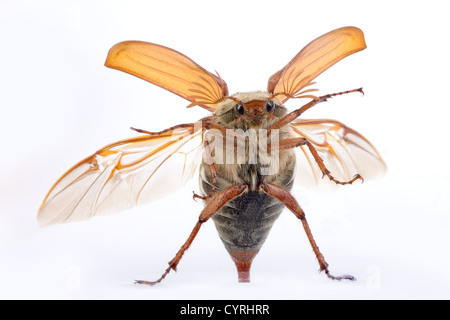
point(289, 201)
point(296, 113)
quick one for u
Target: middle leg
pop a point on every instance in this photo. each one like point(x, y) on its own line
point(296, 142)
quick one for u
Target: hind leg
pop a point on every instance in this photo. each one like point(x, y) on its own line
point(292, 204)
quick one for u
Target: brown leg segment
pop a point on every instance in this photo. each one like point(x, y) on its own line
point(296, 113)
point(212, 207)
point(296, 142)
point(212, 169)
point(292, 204)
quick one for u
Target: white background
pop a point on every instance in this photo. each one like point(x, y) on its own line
point(59, 104)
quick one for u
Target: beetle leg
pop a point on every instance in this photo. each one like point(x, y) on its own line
point(212, 169)
point(210, 209)
point(297, 142)
point(208, 152)
point(289, 201)
point(296, 113)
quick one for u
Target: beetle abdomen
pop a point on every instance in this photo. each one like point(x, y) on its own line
point(243, 225)
point(244, 222)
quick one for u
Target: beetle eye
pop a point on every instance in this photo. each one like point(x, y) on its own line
point(239, 109)
point(270, 106)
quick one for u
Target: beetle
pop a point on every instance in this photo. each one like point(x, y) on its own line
point(249, 151)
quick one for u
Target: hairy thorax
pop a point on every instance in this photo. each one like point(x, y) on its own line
point(248, 153)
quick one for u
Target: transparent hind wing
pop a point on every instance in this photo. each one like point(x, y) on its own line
point(125, 174)
point(345, 152)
